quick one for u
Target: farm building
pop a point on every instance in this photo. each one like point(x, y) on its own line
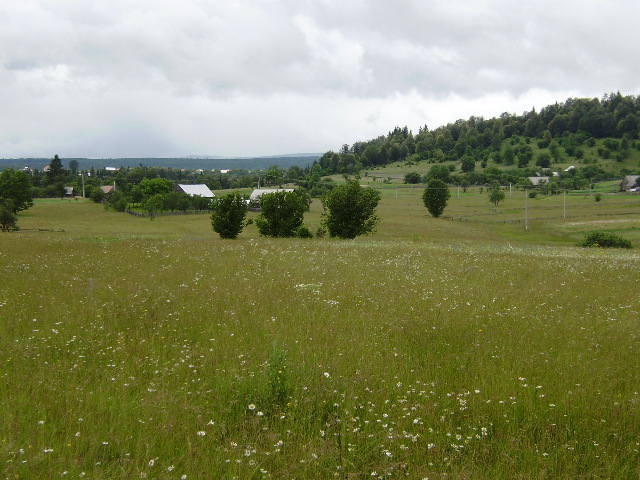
point(536, 181)
point(257, 194)
point(200, 190)
point(108, 189)
point(629, 183)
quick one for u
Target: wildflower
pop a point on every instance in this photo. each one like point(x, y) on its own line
point(202, 433)
point(252, 406)
point(326, 375)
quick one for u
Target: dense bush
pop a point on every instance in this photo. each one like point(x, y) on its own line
point(605, 240)
point(303, 232)
point(228, 214)
point(349, 210)
point(412, 177)
point(281, 214)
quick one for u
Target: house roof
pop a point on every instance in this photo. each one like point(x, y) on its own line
point(107, 188)
point(200, 190)
point(538, 180)
point(259, 192)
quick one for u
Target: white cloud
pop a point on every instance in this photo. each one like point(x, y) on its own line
point(249, 77)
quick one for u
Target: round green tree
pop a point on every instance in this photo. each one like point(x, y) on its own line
point(8, 219)
point(281, 214)
point(350, 210)
point(15, 188)
point(153, 205)
point(435, 197)
point(228, 214)
point(155, 186)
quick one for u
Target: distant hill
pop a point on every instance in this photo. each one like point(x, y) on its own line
point(190, 163)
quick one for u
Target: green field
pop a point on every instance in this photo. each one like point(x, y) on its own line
point(482, 345)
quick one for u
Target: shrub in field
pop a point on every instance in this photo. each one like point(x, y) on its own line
point(120, 205)
point(435, 197)
point(350, 210)
point(228, 214)
point(605, 240)
point(412, 177)
point(303, 232)
point(281, 214)
point(496, 195)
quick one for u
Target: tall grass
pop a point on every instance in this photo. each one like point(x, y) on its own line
point(170, 353)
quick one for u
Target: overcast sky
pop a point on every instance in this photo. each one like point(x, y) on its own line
point(142, 78)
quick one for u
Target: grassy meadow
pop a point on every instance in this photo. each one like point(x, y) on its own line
point(477, 346)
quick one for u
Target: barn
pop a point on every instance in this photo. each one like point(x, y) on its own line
point(200, 190)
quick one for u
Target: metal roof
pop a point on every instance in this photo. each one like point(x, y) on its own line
point(200, 190)
point(259, 192)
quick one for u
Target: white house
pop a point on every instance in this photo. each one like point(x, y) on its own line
point(257, 194)
point(200, 190)
point(630, 183)
point(536, 181)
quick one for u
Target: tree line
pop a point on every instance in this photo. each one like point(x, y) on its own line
point(349, 211)
point(564, 126)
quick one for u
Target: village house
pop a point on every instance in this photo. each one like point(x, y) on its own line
point(108, 189)
point(256, 195)
point(537, 181)
point(200, 190)
point(630, 183)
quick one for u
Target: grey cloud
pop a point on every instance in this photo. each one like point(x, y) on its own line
point(162, 62)
point(20, 64)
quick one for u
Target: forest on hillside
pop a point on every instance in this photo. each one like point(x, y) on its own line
point(564, 129)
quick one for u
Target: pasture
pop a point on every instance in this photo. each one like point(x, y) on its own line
point(461, 347)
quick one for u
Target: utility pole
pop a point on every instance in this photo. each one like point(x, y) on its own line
point(526, 209)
